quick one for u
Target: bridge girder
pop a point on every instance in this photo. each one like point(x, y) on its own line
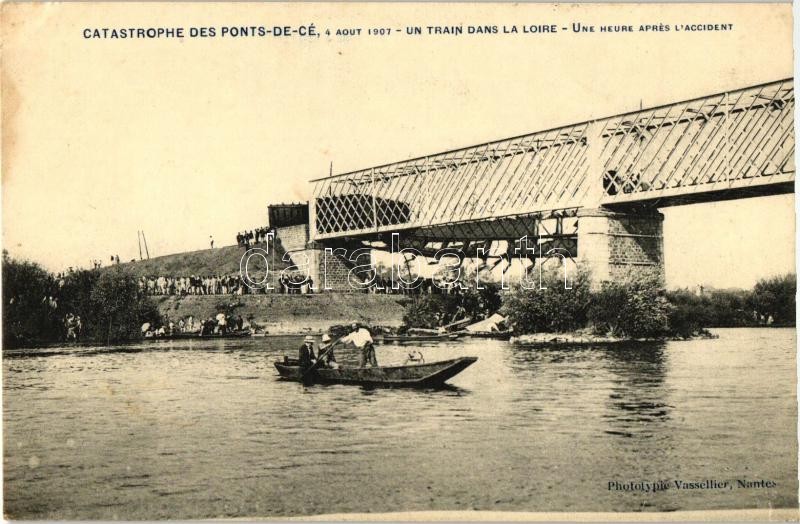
point(728, 145)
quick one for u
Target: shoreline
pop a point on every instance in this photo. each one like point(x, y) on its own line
point(547, 339)
point(584, 339)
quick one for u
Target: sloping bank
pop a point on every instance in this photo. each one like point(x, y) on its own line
point(290, 314)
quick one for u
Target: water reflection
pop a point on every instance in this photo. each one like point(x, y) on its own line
point(639, 400)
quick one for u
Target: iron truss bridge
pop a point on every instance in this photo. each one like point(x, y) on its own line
point(723, 146)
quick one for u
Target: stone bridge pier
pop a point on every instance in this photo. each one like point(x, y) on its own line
point(326, 263)
point(615, 245)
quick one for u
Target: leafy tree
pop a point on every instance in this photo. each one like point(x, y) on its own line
point(688, 313)
point(119, 307)
point(76, 297)
point(109, 302)
point(435, 310)
point(775, 297)
point(428, 311)
point(489, 299)
point(549, 306)
point(635, 307)
point(27, 313)
point(729, 308)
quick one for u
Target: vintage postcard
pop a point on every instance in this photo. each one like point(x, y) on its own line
point(413, 261)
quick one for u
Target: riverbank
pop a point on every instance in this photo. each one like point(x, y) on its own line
point(290, 314)
point(587, 338)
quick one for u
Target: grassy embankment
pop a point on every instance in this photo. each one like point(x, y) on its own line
point(275, 312)
point(219, 261)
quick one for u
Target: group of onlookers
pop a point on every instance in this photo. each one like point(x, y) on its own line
point(254, 236)
point(295, 284)
point(192, 285)
point(290, 284)
point(221, 324)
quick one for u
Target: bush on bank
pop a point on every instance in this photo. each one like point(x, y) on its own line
point(690, 313)
point(634, 308)
point(35, 304)
point(119, 307)
point(433, 311)
point(27, 314)
point(639, 307)
point(548, 306)
point(775, 298)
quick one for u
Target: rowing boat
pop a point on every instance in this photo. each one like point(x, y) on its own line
point(421, 338)
point(430, 375)
point(497, 335)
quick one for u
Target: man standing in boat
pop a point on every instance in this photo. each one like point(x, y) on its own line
point(361, 339)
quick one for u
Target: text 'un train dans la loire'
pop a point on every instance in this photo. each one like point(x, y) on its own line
point(313, 31)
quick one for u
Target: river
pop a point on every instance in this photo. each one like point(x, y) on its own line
point(202, 429)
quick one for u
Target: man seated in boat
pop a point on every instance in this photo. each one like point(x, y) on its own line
point(361, 339)
point(307, 356)
point(326, 353)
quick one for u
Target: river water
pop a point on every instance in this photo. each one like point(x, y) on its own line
point(195, 429)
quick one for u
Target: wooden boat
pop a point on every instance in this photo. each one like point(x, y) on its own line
point(497, 335)
point(196, 336)
point(433, 374)
point(421, 338)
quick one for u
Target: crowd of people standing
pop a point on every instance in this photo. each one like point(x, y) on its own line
point(295, 284)
point(193, 285)
point(290, 284)
point(254, 236)
point(221, 324)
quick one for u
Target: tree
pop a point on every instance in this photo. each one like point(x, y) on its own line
point(729, 308)
point(688, 313)
point(550, 306)
point(27, 313)
point(119, 307)
point(435, 310)
point(775, 297)
point(636, 307)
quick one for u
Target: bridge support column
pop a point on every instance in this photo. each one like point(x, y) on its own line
point(328, 270)
point(616, 245)
point(329, 266)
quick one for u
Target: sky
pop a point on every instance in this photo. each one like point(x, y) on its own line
point(190, 138)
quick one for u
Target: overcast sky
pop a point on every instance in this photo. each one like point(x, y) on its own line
point(189, 138)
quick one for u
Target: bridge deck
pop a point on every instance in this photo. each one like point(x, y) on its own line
point(728, 145)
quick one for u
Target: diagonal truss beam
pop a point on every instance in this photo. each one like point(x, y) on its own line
point(721, 146)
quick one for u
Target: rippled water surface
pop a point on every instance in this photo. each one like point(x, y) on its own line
point(203, 429)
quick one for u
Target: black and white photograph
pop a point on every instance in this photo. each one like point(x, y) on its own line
point(398, 261)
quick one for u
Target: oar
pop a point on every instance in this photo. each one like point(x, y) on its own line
point(319, 357)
